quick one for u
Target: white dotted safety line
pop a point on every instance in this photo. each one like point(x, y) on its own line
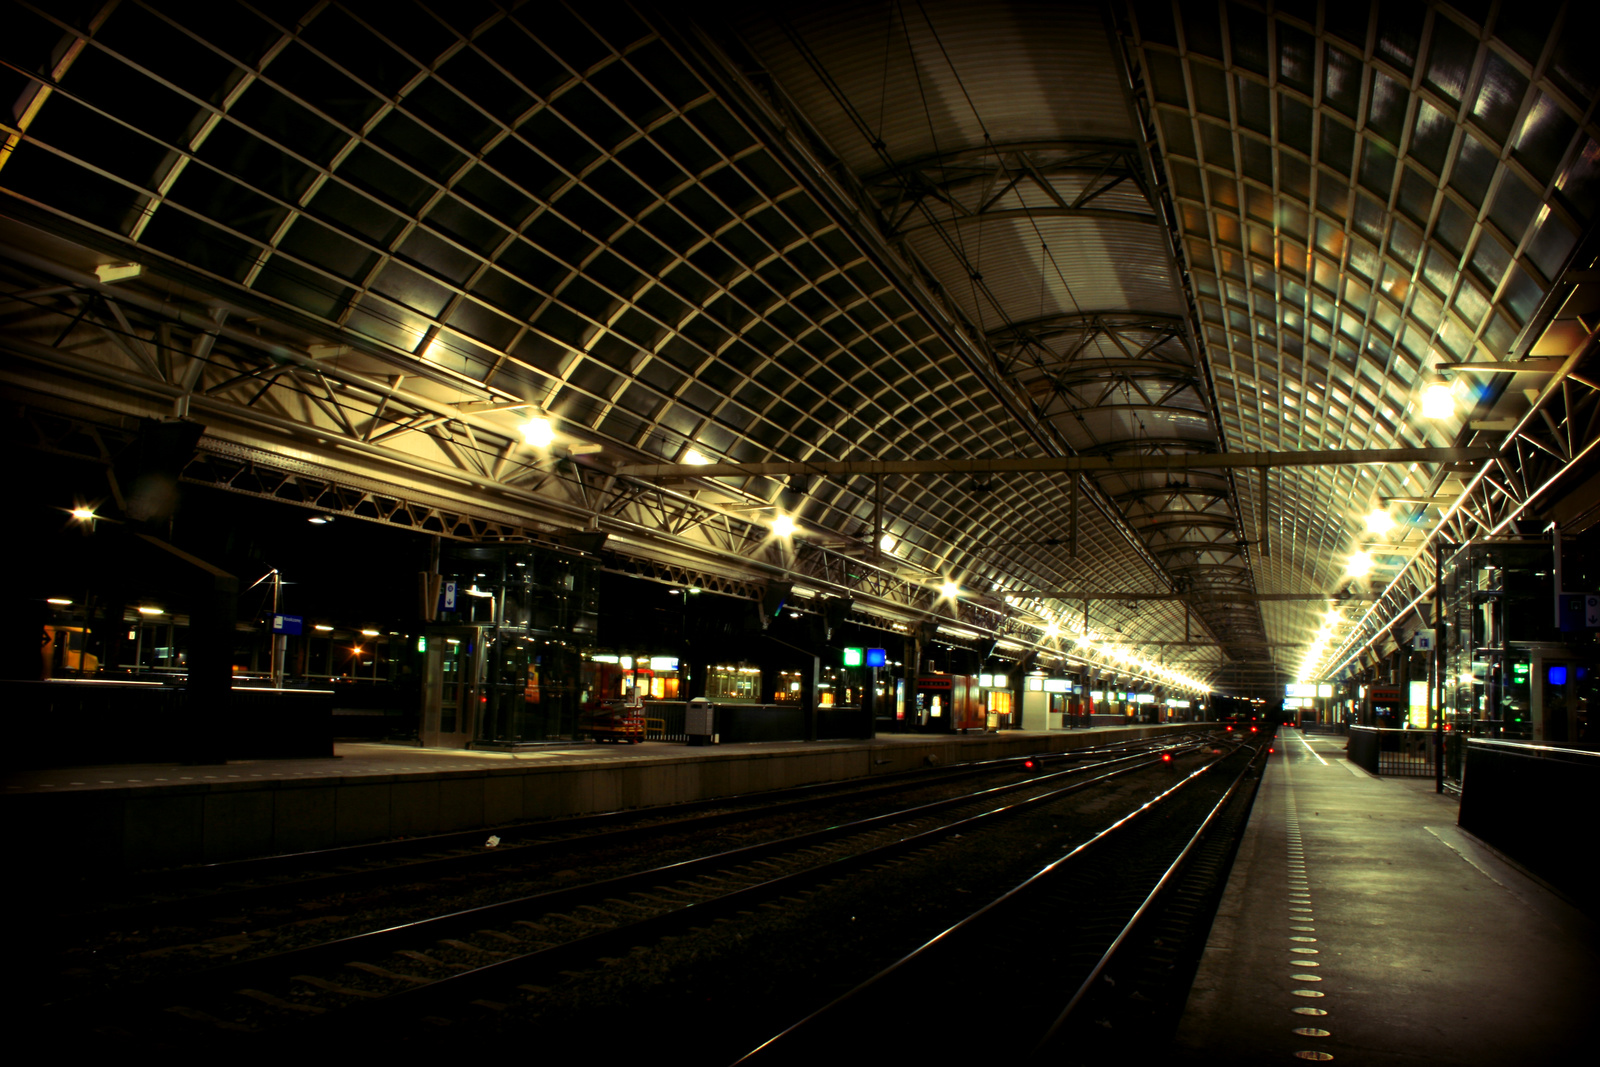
point(1302, 917)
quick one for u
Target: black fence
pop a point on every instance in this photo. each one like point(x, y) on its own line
point(1399, 753)
point(1527, 801)
point(664, 720)
point(745, 723)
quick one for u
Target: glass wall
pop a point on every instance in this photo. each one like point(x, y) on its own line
point(535, 609)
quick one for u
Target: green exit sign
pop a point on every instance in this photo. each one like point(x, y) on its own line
point(852, 657)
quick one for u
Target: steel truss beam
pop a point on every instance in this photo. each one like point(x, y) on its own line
point(727, 63)
point(1062, 464)
point(1251, 598)
point(1558, 432)
point(1035, 179)
point(319, 435)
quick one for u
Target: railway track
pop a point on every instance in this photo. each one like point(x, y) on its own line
point(403, 972)
point(159, 898)
point(1095, 950)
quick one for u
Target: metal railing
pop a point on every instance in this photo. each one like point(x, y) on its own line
point(1399, 753)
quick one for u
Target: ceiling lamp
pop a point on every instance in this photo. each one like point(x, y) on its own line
point(1360, 565)
point(694, 456)
point(887, 543)
point(782, 526)
point(949, 590)
point(1379, 521)
point(537, 432)
point(1437, 400)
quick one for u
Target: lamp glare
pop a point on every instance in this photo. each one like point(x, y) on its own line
point(537, 432)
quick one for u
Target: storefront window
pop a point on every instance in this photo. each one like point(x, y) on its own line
point(733, 683)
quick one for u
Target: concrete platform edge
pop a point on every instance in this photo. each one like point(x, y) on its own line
point(150, 826)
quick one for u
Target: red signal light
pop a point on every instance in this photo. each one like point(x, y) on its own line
point(1252, 729)
point(1166, 757)
point(1270, 751)
point(1027, 764)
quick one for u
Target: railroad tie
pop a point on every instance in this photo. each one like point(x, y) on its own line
point(278, 1002)
point(201, 1017)
point(466, 947)
point(373, 968)
point(334, 987)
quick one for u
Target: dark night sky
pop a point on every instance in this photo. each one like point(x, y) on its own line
point(351, 571)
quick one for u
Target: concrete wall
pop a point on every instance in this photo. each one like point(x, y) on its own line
point(158, 826)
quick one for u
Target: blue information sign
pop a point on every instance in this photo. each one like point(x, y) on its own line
point(288, 624)
point(876, 658)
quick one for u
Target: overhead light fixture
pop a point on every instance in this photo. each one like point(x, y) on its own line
point(58, 601)
point(694, 456)
point(83, 514)
point(322, 627)
point(1438, 402)
point(887, 542)
point(369, 633)
point(1379, 521)
point(1360, 565)
point(320, 520)
point(537, 432)
point(949, 590)
point(151, 611)
point(782, 525)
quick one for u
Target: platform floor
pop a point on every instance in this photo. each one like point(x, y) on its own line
point(362, 759)
point(1360, 924)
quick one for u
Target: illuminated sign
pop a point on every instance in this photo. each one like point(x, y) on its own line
point(852, 657)
point(877, 658)
point(1056, 685)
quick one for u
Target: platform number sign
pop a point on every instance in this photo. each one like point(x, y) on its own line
point(447, 596)
point(852, 657)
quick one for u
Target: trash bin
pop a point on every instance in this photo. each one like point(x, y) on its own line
point(700, 722)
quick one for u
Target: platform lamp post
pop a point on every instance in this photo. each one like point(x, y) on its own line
point(280, 642)
point(1436, 689)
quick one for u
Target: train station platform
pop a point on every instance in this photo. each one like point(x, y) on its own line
point(140, 816)
point(1360, 924)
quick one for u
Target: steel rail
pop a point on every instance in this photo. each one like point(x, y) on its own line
point(245, 973)
point(467, 984)
point(582, 832)
point(1162, 885)
point(777, 1045)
